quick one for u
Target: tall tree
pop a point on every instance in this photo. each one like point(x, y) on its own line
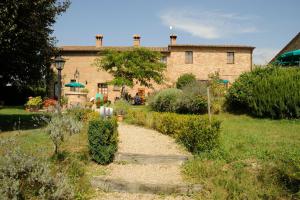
point(26, 41)
point(138, 64)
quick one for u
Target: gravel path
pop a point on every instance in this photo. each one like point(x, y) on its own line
point(147, 164)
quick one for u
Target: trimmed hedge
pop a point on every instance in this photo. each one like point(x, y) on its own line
point(103, 140)
point(193, 131)
point(267, 92)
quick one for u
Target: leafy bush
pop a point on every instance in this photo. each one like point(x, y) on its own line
point(24, 177)
point(193, 99)
point(103, 140)
point(193, 131)
point(198, 135)
point(34, 102)
point(79, 113)
point(49, 102)
point(60, 126)
point(184, 80)
point(267, 92)
point(165, 100)
point(121, 107)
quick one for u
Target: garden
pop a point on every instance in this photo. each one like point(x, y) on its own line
point(249, 149)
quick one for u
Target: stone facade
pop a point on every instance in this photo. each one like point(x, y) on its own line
point(206, 59)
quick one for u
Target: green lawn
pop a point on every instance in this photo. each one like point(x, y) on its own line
point(257, 159)
point(17, 118)
point(74, 161)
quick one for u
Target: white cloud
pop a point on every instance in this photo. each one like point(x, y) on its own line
point(208, 24)
point(263, 56)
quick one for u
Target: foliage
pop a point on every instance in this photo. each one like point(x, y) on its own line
point(64, 100)
point(92, 116)
point(194, 132)
point(61, 126)
point(217, 91)
point(79, 113)
point(198, 135)
point(267, 92)
point(193, 99)
point(35, 102)
point(27, 43)
point(184, 80)
point(127, 67)
point(165, 100)
point(23, 176)
point(256, 159)
point(103, 140)
point(121, 107)
point(49, 102)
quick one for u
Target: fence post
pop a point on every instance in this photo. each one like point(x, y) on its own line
point(208, 105)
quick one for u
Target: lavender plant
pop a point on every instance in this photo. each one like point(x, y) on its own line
point(22, 176)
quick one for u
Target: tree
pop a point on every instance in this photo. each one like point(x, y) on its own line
point(26, 41)
point(138, 64)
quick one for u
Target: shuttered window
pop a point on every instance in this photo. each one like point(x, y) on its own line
point(188, 57)
point(230, 57)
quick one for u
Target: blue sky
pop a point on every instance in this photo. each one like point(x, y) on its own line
point(266, 24)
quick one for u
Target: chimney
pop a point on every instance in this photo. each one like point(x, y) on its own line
point(136, 40)
point(99, 39)
point(173, 39)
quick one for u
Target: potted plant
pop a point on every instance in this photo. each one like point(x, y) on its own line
point(120, 108)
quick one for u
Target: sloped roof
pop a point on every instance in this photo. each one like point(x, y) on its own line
point(212, 46)
point(292, 45)
point(117, 48)
point(160, 49)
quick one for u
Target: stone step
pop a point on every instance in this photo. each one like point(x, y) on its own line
point(150, 159)
point(118, 185)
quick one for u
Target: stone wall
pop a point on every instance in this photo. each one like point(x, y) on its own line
point(205, 61)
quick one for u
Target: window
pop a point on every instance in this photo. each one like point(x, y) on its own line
point(73, 89)
point(188, 57)
point(163, 59)
point(103, 88)
point(230, 57)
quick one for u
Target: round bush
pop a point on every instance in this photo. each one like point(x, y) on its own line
point(184, 80)
point(267, 92)
point(165, 100)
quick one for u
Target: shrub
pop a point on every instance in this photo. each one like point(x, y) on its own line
point(194, 132)
point(198, 135)
point(23, 176)
point(34, 102)
point(60, 126)
point(103, 140)
point(267, 92)
point(184, 80)
point(79, 113)
point(165, 100)
point(92, 116)
point(49, 102)
point(121, 107)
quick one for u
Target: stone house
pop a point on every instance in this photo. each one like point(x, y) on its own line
point(229, 60)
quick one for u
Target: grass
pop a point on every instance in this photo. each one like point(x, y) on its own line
point(16, 118)
point(257, 159)
point(74, 159)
